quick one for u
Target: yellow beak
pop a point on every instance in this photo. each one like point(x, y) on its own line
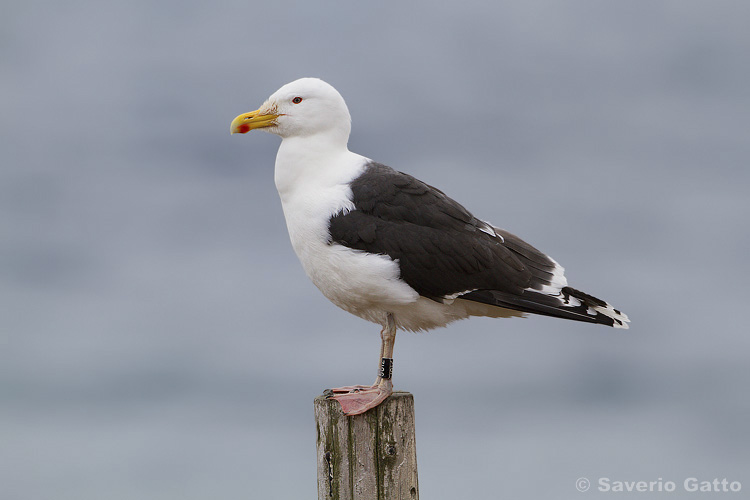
point(249, 121)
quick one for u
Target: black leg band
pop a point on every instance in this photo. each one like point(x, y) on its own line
point(386, 368)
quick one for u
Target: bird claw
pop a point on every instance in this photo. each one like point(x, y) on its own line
point(330, 393)
point(355, 400)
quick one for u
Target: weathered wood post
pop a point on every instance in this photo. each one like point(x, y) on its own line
point(372, 456)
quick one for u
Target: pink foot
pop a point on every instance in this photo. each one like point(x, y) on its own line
point(351, 388)
point(357, 399)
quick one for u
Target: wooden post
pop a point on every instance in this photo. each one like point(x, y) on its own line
point(372, 456)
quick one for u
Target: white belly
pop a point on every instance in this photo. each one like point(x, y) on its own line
point(364, 284)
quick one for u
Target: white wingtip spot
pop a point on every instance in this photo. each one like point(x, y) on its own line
point(621, 320)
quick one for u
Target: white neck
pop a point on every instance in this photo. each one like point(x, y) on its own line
point(313, 162)
point(312, 176)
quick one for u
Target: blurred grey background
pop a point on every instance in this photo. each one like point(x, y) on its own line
point(161, 341)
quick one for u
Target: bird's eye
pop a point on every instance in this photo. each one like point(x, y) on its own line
point(297, 100)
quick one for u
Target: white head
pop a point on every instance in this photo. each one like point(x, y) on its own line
point(304, 107)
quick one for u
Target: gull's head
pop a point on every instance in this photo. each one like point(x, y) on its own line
point(304, 107)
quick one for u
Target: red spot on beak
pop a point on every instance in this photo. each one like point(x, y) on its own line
point(243, 129)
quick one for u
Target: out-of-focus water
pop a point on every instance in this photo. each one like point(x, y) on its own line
point(160, 339)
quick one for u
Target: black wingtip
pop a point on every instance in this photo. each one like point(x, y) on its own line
point(585, 307)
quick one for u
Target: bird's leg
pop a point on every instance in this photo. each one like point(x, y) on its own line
point(358, 399)
point(388, 339)
point(382, 351)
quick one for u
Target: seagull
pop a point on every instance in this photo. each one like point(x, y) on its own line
point(391, 249)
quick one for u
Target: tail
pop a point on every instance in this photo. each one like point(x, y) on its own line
point(568, 304)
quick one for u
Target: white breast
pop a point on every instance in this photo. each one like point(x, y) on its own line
point(364, 284)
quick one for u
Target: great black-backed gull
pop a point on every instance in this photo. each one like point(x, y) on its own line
point(391, 249)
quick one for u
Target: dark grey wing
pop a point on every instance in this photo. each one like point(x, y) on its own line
point(441, 248)
point(443, 251)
